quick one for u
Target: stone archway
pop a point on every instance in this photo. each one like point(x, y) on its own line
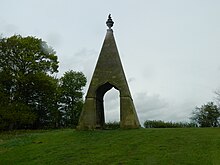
point(100, 92)
point(108, 73)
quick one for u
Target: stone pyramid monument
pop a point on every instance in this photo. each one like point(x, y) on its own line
point(108, 73)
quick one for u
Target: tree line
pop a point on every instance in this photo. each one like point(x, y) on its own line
point(207, 115)
point(163, 124)
point(31, 96)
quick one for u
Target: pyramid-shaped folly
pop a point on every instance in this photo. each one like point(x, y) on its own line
point(108, 73)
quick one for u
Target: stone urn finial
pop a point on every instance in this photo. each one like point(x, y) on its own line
point(109, 22)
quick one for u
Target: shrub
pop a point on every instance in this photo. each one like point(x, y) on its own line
point(162, 124)
point(112, 125)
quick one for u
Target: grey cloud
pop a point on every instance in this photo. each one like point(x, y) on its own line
point(54, 39)
point(146, 102)
point(8, 29)
point(132, 79)
point(83, 60)
point(150, 106)
point(85, 53)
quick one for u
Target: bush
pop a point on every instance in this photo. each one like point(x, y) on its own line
point(162, 124)
point(112, 125)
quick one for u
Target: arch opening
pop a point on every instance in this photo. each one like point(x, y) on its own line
point(112, 106)
point(100, 108)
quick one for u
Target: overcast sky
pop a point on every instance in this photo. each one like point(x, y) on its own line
point(170, 49)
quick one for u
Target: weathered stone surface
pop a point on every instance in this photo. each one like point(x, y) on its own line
point(108, 73)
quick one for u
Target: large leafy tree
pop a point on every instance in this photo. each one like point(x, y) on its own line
point(24, 55)
point(26, 88)
point(71, 85)
point(208, 115)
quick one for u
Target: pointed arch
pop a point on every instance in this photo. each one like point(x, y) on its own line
point(100, 92)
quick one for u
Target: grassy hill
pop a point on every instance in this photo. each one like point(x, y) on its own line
point(141, 146)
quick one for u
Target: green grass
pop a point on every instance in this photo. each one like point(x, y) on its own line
point(141, 146)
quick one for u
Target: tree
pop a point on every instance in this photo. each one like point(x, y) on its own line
point(26, 88)
point(208, 115)
point(71, 101)
point(24, 55)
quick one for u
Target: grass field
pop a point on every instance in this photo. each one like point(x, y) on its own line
point(200, 146)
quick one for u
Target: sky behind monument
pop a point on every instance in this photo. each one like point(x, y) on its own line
point(170, 50)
